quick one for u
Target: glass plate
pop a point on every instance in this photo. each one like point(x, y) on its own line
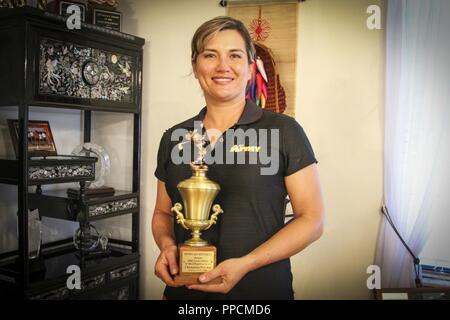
point(103, 165)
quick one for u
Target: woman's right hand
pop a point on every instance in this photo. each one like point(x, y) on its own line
point(166, 266)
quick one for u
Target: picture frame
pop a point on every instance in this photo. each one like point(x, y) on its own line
point(40, 138)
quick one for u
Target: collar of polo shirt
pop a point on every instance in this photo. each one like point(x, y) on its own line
point(252, 113)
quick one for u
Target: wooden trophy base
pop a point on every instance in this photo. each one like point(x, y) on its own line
point(194, 261)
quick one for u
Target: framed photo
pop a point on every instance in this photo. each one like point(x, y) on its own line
point(39, 136)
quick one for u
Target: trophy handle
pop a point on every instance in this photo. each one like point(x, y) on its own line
point(213, 220)
point(180, 218)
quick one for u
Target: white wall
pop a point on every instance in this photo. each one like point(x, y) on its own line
point(339, 103)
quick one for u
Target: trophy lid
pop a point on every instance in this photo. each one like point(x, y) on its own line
point(198, 180)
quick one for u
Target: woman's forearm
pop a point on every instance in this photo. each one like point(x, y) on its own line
point(291, 239)
point(162, 227)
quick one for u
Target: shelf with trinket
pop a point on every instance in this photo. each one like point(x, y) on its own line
point(50, 170)
point(88, 164)
point(112, 263)
point(58, 204)
point(45, 166)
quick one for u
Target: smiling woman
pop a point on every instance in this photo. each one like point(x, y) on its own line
point(253, 244)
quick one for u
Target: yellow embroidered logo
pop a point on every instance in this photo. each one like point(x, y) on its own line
point(242, 148)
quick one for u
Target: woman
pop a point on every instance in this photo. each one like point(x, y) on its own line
point(253, 243)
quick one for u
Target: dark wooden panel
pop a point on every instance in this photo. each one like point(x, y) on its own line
point(11, 61)
point(9, 171)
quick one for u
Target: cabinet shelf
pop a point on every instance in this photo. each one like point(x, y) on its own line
point(57, 204)
point(51, 281)
point(50, 170)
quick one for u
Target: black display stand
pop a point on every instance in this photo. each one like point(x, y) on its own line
point(32, 38)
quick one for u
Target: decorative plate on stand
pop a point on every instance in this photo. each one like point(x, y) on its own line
point(102, 169)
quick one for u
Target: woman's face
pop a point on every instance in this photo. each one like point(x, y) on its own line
point(223, 69)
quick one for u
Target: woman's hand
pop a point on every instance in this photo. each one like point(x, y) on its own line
point(231, 271)
point(166, 266)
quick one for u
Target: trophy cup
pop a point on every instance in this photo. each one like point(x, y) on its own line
point(196, 255)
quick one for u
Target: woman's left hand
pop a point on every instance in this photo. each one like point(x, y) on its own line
point(231, 271)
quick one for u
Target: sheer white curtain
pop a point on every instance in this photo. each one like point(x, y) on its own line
point(417, 115)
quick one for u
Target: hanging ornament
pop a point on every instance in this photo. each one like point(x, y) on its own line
point(259, 28)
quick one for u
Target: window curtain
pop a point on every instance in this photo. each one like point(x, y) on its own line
point(416, 142)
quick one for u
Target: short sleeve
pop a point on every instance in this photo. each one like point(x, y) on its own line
point(297, 150)
point(163, 157)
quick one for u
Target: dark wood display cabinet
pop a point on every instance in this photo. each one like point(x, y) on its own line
point(93, 70)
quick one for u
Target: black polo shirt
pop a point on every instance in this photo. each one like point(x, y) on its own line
point(253, 200)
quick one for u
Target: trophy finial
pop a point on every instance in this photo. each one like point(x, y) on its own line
point(199, 141)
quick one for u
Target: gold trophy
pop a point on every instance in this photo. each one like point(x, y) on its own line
point(196, 255)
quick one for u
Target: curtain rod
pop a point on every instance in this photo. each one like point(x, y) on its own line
point(236, 3)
